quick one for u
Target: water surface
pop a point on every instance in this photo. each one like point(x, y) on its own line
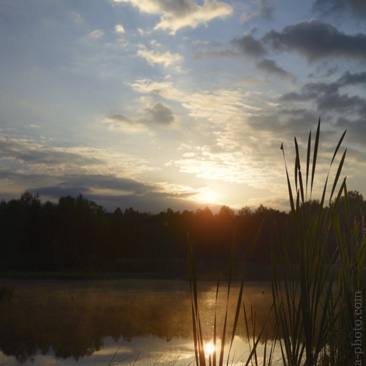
point(131, 321)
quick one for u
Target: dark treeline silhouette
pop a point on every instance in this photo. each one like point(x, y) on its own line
point(76, 234)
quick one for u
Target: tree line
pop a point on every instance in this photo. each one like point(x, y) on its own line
point(76, 234)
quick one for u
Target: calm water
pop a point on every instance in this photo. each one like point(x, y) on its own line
point(141, 322)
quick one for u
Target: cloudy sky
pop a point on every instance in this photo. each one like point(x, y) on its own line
point(177, 103)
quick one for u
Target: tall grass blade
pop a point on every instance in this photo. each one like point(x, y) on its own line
point(337, 175)
point(315, 156)
point(308, 162)
point(236, 319)
point(288, 181)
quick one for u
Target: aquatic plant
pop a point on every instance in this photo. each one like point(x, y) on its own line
point(315, 319)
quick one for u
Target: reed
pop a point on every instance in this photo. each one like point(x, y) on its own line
point(316, 320)
point(348, 336)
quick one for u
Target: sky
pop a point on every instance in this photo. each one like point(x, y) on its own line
point(157, 104)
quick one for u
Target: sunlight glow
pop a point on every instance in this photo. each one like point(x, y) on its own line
point(206, 195)
point(210, 348)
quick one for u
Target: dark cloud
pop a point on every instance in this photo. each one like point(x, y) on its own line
point(255, 50)
point(84, 183)
point(311, 91)
point(316, 40)
point(249, 46)
point(270, 67)
point(159, 114)
point(154, 203)
point(353, 7)
point(353, 79)
point(323, 70)
point(138, 195)
point(328, 98)
point(119, 118)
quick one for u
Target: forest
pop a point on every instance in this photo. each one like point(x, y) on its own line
point(76, 234)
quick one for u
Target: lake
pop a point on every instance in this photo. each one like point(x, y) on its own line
point(132, 322)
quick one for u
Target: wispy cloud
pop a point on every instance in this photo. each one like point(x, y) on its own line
point(96, 34)
point(154, 57)
point(175, 15)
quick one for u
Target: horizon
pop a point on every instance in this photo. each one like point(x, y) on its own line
point(184, 105)
point(215, 210)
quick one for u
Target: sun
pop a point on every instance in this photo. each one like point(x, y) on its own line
point(206, 195)
point(210, 348)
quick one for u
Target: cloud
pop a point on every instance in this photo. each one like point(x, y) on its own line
point(111, 192)
point(118, 28)
point(216, 106)
point(270, 67)
point(155, 57)
point(96, 34)
point(32, 153)
point(249, 46)
point(159, 114)
point(315, 40)
point(175, 15)
point(126, 124)
point(265, 10)
point(327, 96)
point(120, 118)
point(353, 79)
point(353, 7)
point(31, 157)
point(254, 49)
point(87, 183)
point(105, 176)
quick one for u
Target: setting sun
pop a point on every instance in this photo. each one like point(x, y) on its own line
point(206, 195)
point(210, 348)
